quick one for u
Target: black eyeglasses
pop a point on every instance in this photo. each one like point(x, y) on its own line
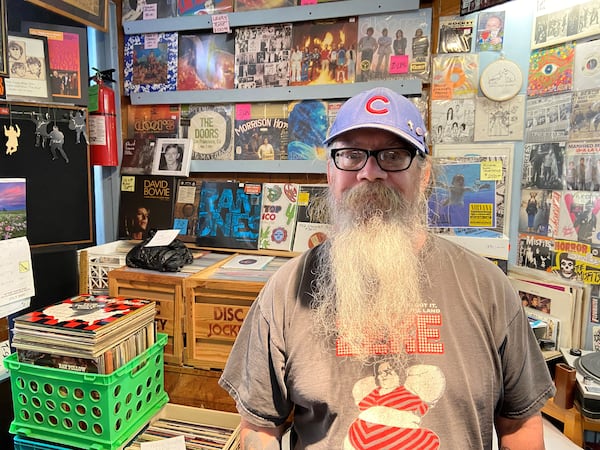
point(389, 159)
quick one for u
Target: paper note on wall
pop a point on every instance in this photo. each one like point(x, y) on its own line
point(16, 272)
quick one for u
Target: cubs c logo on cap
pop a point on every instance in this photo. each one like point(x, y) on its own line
point(374, 105)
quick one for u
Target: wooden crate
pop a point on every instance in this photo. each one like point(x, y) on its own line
point(215, 311)
point(166, 289)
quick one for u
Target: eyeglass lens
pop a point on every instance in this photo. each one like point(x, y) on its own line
point(389, 159)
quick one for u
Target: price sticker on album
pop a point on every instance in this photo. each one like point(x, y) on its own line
point(243, 111)
point(220, 23)
point(398, 64)
point(308, 2)
point(491, 170)
point(151, 40)
point(150, 11)
point(128, 184)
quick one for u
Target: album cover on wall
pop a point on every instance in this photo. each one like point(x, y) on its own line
point(210, 127)
point(321, 51)
point(146, 202)
point(205, 61)
point(199, 7)
point(229, 215)
point(454, 76)
point(278, 217)
point(548, 118)
point(310, 228)
point(456, 34)
point(262, 55)
point(148, 9)
point(585, 116)
point(560, 60)
point(499, 121)
point(393, 46)
point(544, 165)
point(454, 121)
point(250, 5)
point(185, 215)
point(307, 127)
point(582, 166)
point(586, 70)
point(261, 131)
point(150, 62)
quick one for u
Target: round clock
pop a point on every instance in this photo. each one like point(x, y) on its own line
point(501, 80)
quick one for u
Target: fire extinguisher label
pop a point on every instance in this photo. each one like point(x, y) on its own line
point(97, 128)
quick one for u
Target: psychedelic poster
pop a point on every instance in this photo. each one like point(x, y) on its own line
point(551, 70)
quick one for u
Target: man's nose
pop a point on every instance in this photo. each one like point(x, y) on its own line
point(372, 171)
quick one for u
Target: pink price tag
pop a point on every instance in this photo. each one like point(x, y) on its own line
point(398, 64)
point(308, 2)
point(242, 111)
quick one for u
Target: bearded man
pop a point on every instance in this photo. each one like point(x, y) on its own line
point(381, 298)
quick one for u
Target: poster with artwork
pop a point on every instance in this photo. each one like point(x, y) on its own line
point(499, 121)
point(548, 118)
point(586, 70)
point(551, 70)
point(454, 121)
point(454, 76)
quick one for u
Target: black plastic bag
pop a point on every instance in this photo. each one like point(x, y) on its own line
point(165, 258)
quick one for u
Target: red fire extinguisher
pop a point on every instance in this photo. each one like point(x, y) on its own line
point(102, 120)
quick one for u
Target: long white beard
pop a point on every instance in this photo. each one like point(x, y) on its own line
point(369, 288)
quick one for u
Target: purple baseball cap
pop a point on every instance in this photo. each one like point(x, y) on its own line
point(384, 109)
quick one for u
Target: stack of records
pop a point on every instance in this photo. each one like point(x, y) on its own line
point(86, 333)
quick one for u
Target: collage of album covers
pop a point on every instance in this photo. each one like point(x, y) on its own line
point(262, 55)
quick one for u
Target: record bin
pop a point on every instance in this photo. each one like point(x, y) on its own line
point(85, 410)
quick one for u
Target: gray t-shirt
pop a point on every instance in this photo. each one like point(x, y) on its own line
point(474, 356)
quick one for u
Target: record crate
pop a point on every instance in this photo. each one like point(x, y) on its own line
point(95, 263)
point(85, 410)
point(216, 309)
point(191, 419)
point(166, 289)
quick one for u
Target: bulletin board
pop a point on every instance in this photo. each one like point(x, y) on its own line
point(59, 200)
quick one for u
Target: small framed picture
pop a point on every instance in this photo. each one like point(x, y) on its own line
point(67, 60)
point(172, 156)
point(27, 68)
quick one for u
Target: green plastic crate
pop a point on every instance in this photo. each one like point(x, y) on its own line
point(92, 411)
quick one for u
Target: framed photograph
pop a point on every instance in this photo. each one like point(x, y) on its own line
point(67, 60)
point(3, 43)
point(28, 68)
point(172, 156)
point(88, 12)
